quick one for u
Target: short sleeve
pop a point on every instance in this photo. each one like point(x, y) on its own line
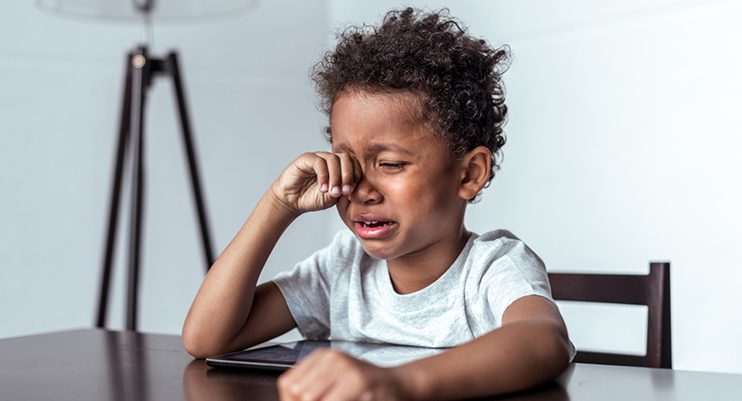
point(515, 272)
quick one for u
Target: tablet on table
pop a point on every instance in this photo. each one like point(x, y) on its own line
point(284, 356)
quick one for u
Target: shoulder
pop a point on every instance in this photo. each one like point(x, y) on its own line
point(502, 268)
point(499, 244)
point(499, 257)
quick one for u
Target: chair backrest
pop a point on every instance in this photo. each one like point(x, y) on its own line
point(652, 290)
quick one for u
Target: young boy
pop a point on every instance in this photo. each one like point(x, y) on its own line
point(416, 111)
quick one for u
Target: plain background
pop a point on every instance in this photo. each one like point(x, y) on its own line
point(623, 144)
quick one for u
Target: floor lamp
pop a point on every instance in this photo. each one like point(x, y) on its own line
point(140, 72)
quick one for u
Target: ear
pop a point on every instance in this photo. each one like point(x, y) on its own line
point(475, 172)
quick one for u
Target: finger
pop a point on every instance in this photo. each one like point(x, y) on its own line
point(290, 383)
point(348, 172)
point(357, 171)
point(283, 393)
point(317, 375)
point(319, 165)
point(334, 180)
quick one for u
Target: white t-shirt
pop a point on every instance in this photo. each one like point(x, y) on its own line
point(341, 293)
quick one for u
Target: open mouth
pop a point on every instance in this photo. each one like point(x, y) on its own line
point(373, 228)
point(374, 224)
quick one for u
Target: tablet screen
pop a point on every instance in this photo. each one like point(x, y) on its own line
point(283, 356)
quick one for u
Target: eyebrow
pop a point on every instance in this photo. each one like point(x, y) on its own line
point(376, 149)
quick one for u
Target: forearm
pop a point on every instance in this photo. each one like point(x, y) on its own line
point(514, 357)
point(224, 301)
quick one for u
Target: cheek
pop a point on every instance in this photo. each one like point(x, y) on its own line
point(402, 189)
point(437, 195)
point(418, 193)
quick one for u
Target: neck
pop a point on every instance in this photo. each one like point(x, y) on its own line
point(413, 272)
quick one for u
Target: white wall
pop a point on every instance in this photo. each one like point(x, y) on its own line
point(623, 143)
point(253, 110)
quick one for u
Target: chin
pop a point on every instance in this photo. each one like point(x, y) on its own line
point(377, 251)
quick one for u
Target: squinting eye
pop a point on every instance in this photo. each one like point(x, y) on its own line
point(393, 165)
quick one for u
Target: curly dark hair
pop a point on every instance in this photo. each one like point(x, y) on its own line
point(458, 77)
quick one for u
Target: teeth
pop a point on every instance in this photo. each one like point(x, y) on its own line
point(375, 223)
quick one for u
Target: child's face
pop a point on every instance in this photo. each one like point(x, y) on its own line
point(408, 200)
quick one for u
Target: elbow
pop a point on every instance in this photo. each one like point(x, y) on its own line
point(548, 349)
point(198, 342)
point(194, 349)
point(565, 348)
point(557, 350)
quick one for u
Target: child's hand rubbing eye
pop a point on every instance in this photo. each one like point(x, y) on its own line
point(315, 181)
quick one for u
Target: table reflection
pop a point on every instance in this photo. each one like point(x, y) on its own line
point(203, 383)
point(128, 366)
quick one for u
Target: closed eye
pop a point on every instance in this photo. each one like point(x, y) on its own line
point(393, 165)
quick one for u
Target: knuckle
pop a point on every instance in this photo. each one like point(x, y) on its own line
point(283, 382)
point(329, 156)
point(320, 161)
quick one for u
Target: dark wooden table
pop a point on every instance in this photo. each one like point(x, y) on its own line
point(102, 365)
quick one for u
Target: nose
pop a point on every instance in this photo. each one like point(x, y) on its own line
point(365, 192)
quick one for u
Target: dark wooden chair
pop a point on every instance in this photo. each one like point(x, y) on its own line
point(652, 290)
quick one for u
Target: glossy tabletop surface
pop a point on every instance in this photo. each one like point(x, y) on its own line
point(103, 365)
